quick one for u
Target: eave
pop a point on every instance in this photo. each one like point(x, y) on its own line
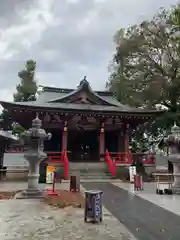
point(77, 108)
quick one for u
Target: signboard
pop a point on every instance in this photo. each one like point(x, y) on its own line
point(50, 173)
point(98, 206)
point(93, 206)
point(132, 172)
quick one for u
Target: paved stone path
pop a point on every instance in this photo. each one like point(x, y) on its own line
point(168, 202)
point(144, 220)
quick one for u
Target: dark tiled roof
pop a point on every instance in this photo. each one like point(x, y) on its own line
point(83, 86)
point(50, 96)
point(80, 107)
point(60, 98)
point(68, 90)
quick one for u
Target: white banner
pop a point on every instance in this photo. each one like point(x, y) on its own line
point(132, 172)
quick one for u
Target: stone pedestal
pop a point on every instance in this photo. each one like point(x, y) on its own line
point(176, 184)
point(33, 190)
point(173, 144)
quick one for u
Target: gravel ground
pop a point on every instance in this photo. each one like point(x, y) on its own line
point(34, 220)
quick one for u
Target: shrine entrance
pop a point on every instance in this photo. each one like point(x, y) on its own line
point(83, 146)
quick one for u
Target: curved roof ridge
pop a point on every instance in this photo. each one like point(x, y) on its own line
point(84, 84)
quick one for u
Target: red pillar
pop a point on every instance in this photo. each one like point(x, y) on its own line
point(102, 142)
point(64, 138)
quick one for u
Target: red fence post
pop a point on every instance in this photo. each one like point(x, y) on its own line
point(52, 192)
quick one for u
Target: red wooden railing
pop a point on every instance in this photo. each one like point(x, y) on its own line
point(124, 158)
point(54, 158)
point(127, 158)
point(110, 164)
point(59, 158)
point(149, 158)
point(113, 159)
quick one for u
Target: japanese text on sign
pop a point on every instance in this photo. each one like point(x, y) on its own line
point(97, 205)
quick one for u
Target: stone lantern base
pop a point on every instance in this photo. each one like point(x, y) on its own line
point(176, 184)
point(176, 190)
point(32, 190)
point(30, 194)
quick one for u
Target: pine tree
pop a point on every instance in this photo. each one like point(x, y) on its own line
point(26, 90)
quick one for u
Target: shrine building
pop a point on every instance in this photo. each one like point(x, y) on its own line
point(84, 123)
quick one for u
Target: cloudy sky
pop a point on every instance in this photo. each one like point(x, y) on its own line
point(67, 38)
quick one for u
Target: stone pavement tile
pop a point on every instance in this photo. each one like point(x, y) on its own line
point(168, 202)
point(21, 185)
point(33, 220)
point(146, 221)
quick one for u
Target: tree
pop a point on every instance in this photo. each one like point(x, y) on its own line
point(5, 120)
point(174, 17)
point(17, 129)
point(26, 90)
point(145, 70)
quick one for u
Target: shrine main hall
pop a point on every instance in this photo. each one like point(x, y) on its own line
point(83, 122)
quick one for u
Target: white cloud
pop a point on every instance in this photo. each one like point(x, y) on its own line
point(72, 1)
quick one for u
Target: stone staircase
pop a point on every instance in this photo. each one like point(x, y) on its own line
point(89, 170)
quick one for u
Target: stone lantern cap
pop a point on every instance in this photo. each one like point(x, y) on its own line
point(36, 131)
point(175, 129)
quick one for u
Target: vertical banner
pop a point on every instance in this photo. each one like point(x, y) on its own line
point(132, 172)
point(49, 174)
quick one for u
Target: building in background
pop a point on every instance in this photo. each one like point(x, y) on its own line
point(83, 122)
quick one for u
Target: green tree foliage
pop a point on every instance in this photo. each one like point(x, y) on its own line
point(5, 120)
point(17, 129)
point(174, 18)
point(145, 71)
point(26, 90)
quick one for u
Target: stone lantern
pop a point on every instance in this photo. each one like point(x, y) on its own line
point(34, 145)
point(173, 142)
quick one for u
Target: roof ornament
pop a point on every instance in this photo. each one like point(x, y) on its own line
point(84, 82)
